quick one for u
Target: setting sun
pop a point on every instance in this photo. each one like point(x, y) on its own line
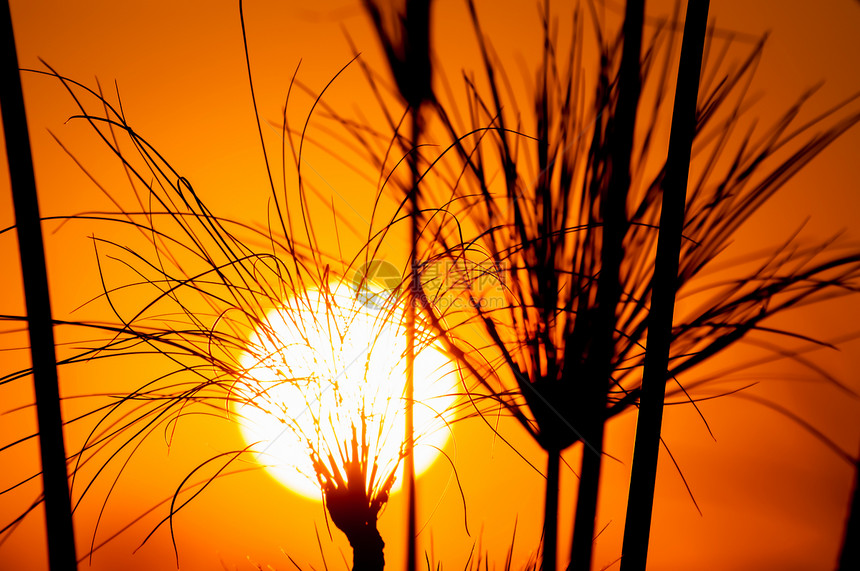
point(320, 366)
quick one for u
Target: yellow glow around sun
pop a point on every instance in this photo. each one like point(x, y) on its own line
point(321, 364)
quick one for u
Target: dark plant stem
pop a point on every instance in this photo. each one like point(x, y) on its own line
point(550, 515)
point(414, 296)
point(353, 514)
point(647, 446)
point(613, 212)
point(58, 514)
point(412, 72)
point(849, 558)
point(367, 551)
point(586, 501)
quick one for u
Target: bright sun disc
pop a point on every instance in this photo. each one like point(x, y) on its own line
point(316, 365)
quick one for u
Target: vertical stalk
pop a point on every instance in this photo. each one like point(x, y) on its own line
point(58, 514)
point(367, 551)
point(586, 501)
point(408, 54)
point(849, 558)
point(550, 514)
point(647, 446)
point(414, 82)
point(613, 213)
point(414, 287)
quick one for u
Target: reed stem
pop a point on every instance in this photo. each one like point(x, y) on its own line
point(647, 446)
point(367, 551)
point(58, 514)
point(413, 298)
point(586, 501)
point(550, 515)
point(849, 557)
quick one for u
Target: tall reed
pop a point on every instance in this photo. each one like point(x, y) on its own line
point(637, 526)
point(58, 515)
point(406, 43)
point(849, 554)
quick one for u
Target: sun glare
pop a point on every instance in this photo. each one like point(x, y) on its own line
point(329, 362)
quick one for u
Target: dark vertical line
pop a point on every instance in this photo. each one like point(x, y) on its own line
point(414, 81)
point(586, 500)
point(849, 558)
point(408, 54)
point(550, 515)
point(412, 299)
point(646, 451)
point(58, 514)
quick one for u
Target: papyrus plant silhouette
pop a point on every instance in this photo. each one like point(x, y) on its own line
point(571, 222)
point(204, 288)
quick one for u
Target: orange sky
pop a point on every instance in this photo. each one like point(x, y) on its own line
point(771, 495)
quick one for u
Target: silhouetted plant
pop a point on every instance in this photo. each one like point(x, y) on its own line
point(572, 234)
point(210, 296)
point(406, 41)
